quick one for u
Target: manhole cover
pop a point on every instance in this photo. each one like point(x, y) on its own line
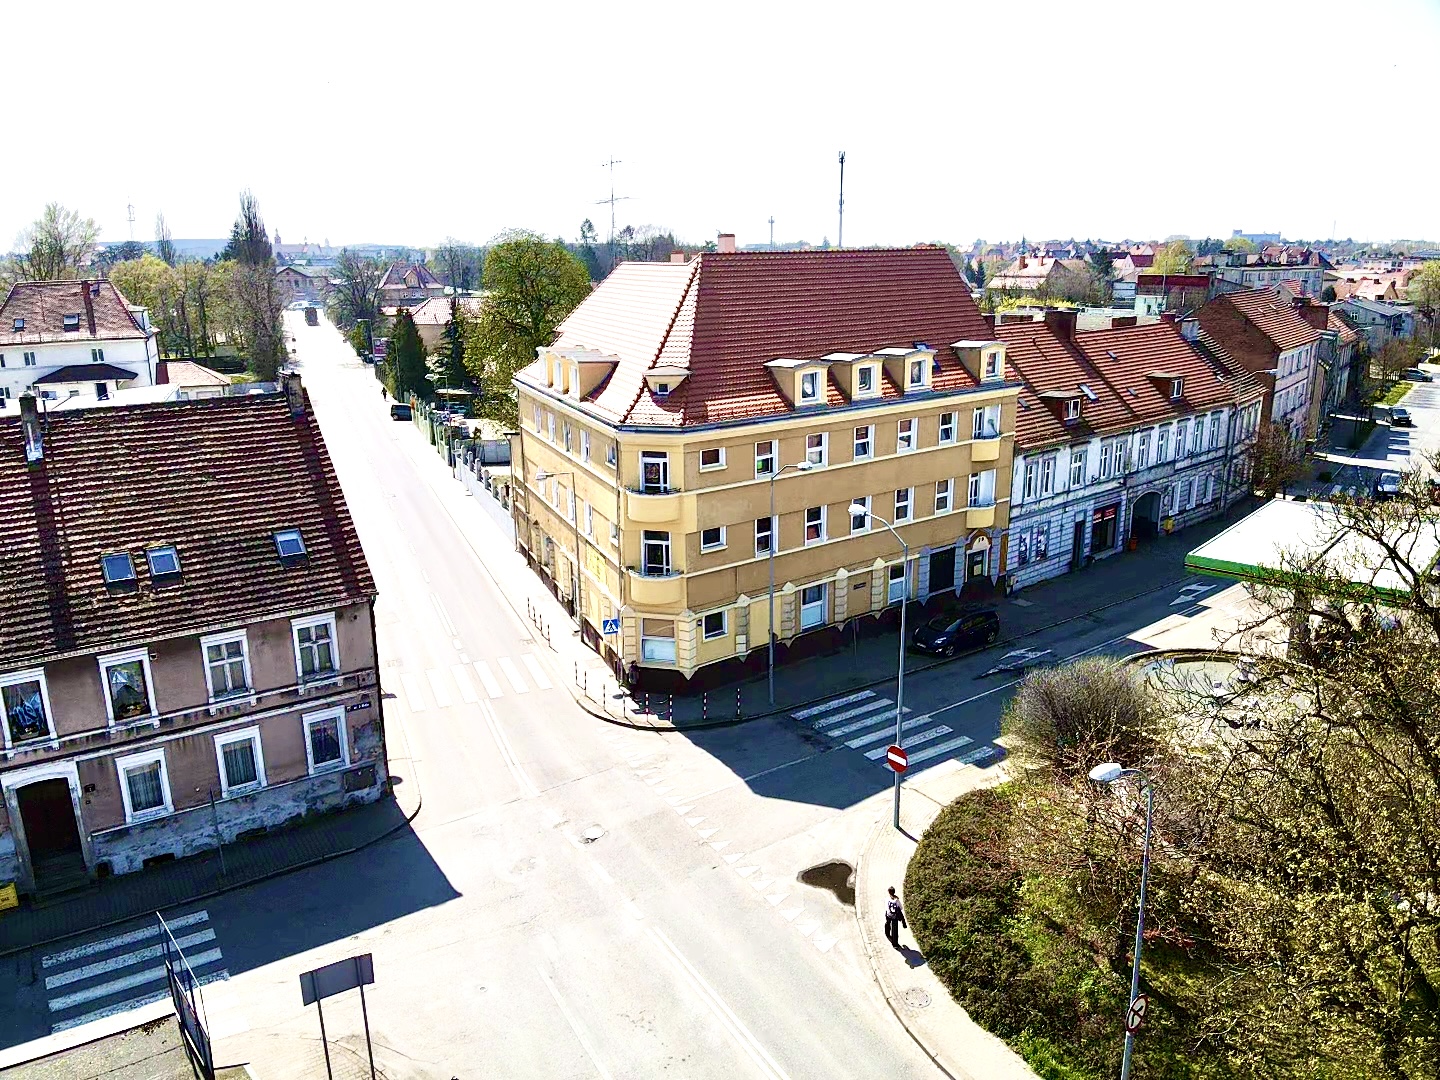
point(916, 998)
point(593, 833)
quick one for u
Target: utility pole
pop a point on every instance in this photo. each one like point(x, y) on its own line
point(772, 232)
point(840, 236)
point(130, 216)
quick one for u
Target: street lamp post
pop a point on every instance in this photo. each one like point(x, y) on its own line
point(1111, 772)
point(799, 466)
point(540, 478)
point(857, 510)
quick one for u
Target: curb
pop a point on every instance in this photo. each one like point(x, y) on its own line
point(860, 861)
point(211, 894)
point(940, 662)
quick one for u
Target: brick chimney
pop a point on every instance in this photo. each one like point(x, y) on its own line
point(31, 430)
point(725, 243)
point(1169, 316)
point(294, 393)
point(677, 256)
point(1061, 322)
point(1023, 263)
point(1118, 322)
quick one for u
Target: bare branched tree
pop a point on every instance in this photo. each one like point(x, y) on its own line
point(57, 246)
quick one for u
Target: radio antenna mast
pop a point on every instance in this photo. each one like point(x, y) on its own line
point(840, 236)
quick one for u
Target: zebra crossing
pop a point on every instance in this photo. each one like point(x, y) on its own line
point(442, 687)
point(125, 971)
point(864, 721)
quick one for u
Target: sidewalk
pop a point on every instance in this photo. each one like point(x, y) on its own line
point(199, 877)
point(940, 1027)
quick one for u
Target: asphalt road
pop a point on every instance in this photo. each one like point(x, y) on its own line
point(574, 900)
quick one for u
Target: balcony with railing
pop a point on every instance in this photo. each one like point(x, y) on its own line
point(655, 504)
point(980, 514)
point(985, 448)
point(656, 584)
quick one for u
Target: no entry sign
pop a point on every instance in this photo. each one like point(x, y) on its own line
point(1136, 1015)
point(896, 758)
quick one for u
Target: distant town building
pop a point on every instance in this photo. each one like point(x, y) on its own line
point(407, 285)
point(1377, 320)
point(1256, 238)
point(1264, 332)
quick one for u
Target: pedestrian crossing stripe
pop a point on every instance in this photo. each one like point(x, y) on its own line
point(511, 672)
point(870, 708)
point(816, 710)
point(487, 679)
point(868, 720)
point(537, 673)
point(116, 974)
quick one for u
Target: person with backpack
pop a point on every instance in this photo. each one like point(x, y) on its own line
point(894, 919)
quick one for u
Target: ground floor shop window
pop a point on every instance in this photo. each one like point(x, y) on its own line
point(657, 641)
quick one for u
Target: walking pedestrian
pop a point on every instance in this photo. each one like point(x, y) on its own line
point(894, 919)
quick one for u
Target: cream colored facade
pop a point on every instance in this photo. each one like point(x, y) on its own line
point(671, 522)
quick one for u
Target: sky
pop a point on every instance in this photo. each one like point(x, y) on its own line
point(960, 120)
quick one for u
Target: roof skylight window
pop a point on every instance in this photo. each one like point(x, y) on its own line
point(19, 323)
point(118, 570)
point(72, 322)
point(1084, 389)
point(164, 562)
point(289, 545)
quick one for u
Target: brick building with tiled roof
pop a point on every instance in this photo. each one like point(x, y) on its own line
point(1120, 433)
point(676, 392)
point(63, 337)
point(187, 613)
point(1263, 330)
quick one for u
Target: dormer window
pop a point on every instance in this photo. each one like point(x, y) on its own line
point(72, 322)
point(991, 369)
point(1072, 409)
point(662, 389)
point(164, 564)
point(19, 324)
point(865, 379)
point(289, 545)
point(810, 386)
point(917, 374)
point(1177, 387)
point(118, 569)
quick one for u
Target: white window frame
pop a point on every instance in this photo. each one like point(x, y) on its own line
point(867, 440)
point(769, 456)
point(1162, 444)
point(550, 427)
point(948, 423)
point(720, 464)
point(809, 386)
point(589, 521)
point(1107, 451)
point(296, 625)
point(713, 547)
point(114, 659)
point(896, 585)
point(705, 632)
point(907, 504)
point(252, 736)
point(14, 678)
point(864, 525)
point(774, 535)
point(860, 373)
point(1077, 465)
point(1142, 451)
point(914, 381)
point(655, 457)
point(584, 445)
point(1197, 436)
point(614, 534)
point(990, 369)
point(819, 454)
point(1177, 389)
point(539, 420)
point(612, 454)
point(227, 638)
point(807, 622)
point(308, 720)
point(906, 439)
point(1072, 409)
point(982, 418)
point(1214, 440)
point(1047, 475)
point(821, 538)
point(136, 761)
point(945, 490)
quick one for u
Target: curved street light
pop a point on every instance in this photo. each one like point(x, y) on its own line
point(861, 510)
point(1111, 772)
point(799, 466)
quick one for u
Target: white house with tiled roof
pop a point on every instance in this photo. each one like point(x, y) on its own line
point(59, 338)
point(1120, 434)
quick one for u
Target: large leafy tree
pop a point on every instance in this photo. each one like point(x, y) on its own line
point(256, 292)
point(531, 284)
point(405, 368)
point(56, 246)
point(355, 296)
point(1173, 258)
point(1424, 293)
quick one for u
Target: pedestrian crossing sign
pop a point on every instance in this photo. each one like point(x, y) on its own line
point(609, 626)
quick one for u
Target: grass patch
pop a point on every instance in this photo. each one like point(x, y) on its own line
point(1028, 964)
point(1396, 392)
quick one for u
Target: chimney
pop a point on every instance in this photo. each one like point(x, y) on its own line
point(1022, 261)
point(1169, 316)
point(1119, 322)
point(725, 243)
point(294, 393)
point(677, 256)
point(1061, 322)
point(30, 428)
point(1190, 328)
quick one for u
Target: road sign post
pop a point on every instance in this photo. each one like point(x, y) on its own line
point(609, 627)
point(897, 759)
point(334, 979)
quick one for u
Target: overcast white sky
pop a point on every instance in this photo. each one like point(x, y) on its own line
point(1049, 118)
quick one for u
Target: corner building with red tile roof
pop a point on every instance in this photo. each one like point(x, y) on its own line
point(1121, 434)
point(680, 396)
point(187, 613)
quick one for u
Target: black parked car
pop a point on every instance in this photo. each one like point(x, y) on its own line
point(399, 411)
point(950, 631)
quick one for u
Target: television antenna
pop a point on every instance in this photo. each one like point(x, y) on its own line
point(130, 217)
point(612, 200)
point(840, 236)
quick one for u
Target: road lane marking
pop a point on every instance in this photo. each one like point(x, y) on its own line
point(130, 959)
point(119, 940)
point(414, 696)
point(766, 1065)
point(507, 752)
point(537, 673)
point(581, 1035)
point(487, 679)
point(938, 749)
point(513, 674)
point(442, 613)
point(816, 710)
point(462, 680)
point(914, 740)
point(438, 688)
